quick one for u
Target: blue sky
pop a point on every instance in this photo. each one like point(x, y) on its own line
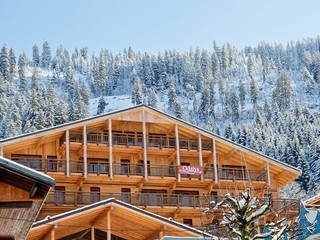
point(152, 26)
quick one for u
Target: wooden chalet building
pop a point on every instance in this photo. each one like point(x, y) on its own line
point(22, 194)
point(148, 159)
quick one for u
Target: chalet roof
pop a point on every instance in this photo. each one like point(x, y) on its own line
point(177, 120)
point(144, 220)
point(25, 172)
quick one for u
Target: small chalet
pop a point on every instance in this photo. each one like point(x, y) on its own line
point(22, 194)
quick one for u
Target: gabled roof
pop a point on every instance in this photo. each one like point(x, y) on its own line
point(127, 221)
point(24, 193)
point(294, 170)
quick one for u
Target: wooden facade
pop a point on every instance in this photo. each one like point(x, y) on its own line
point(23, 191)
point(110, 219)
point(135, 154)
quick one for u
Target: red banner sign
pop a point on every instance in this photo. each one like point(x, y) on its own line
point(192, 170)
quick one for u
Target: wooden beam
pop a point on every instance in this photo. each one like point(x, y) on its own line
point(280, 175)
point(108, 225)
point(101, 216)
point(81, 235)
point(140, 184)
point(85, 162)
point(52, 233)
point(200, 153)
point(1, 151)
point(231, 153)
point(110, 148)
point(268, 174)
point(173, 185)
point(92, 233)
point(68, 152)
point(172, 156)
point(144, 133)
point(215, 163)
point(39, 143)
point(80, 152)
point(175, 213)
point(157, 234)
point(178, 149)
point(210, 187)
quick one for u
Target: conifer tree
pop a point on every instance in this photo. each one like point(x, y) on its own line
point(5, 63)
point(35, 56)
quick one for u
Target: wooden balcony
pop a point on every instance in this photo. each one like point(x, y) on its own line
point(75, 198)
point(137, 169)
point(129, 139)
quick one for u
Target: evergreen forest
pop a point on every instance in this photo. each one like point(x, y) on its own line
point(266, 98)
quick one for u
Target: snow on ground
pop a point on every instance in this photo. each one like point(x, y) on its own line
point(113, 103)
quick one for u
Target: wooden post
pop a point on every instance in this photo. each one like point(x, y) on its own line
point(108, 226)
point(178, 150)
point(52, 234)
point(145, 156)
point(110, 148)
point(268, 174)
point(215, 161)
point(92, 233)
point(1, 151)
point(68, 152)
point(85, 162)
point(200, 153)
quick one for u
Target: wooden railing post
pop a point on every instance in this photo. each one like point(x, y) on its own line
point(200, 153)
point(215, 161)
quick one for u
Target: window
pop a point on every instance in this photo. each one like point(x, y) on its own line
point(187, 198)
point(52, 163)
point(125, 166)
point(125, 195)
point(59, 194)
point(214, 196)
point(130, 138)
point(187, 221)
point(151, 197)
point(233, 172)
point(140, 167)
point(98, 165)
point(32, 161)
point(94, 194)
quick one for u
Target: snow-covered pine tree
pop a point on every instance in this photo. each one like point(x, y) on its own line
point(243, 216)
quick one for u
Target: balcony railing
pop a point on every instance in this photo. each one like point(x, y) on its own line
point(155, 199)
point(137, 169)
point(131, 139)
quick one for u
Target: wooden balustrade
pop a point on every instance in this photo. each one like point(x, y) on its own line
point(137, 169)
point(156, 199)
point(131, 139)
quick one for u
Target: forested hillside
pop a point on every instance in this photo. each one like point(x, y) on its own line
point(265, 98)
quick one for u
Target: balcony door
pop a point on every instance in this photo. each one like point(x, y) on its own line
point(140, 167)
point(59, 194)
point(52, 164)
point(125, 166)
point(151, 197)
point(188, 198)
point(94, 194)
point(125, 195)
